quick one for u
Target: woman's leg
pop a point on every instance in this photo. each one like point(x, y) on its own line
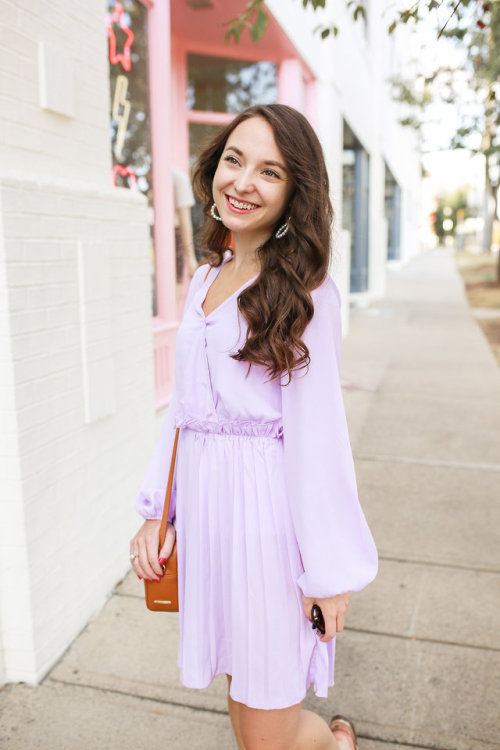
point(285, 729)
point(234, 713)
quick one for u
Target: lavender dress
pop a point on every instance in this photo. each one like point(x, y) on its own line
point(265, 504)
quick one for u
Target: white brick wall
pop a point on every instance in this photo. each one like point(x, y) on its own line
point(36, 140)
point(67, 512)
point(71, 456)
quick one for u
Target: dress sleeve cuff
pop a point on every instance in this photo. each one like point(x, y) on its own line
point(150, 505)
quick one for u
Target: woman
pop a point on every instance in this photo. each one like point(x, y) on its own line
point(267, 517)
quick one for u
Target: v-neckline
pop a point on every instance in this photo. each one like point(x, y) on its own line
point(207, 286)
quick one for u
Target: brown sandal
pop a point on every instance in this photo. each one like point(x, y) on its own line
point(341, 724)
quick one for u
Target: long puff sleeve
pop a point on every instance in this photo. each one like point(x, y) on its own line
point(151, 496)
point(337, 549)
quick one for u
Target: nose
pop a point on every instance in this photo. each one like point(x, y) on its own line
point(243, 183)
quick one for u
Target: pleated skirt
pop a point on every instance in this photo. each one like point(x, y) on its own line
point(240, 606)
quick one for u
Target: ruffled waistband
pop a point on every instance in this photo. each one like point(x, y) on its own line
point(249, 429)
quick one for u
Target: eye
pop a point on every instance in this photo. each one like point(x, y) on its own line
point(271, 173)
point(231, 159)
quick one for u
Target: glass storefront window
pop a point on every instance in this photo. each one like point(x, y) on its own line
point(130, 130)
point(392, 214)
point(199, 136)
point(220, 84)
point(355, 206)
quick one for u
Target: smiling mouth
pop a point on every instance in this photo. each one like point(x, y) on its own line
point(241, 205)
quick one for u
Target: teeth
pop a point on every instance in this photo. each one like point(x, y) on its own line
point(239, 204)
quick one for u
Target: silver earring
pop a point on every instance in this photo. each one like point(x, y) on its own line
point(282, 230)
point(214, 214)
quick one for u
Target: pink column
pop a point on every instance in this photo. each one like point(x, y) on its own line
point(291, 84)
point(178, 103)
point(311, 110)
point(166, 323)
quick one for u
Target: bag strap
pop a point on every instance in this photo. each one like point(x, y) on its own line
point(166, 506)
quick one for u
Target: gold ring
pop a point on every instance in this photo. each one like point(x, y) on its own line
point(132, 557)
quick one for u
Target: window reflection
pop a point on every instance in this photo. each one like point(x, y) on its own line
point(130, 130)
point(355, 206)
point(220, 84)
point(200, 135)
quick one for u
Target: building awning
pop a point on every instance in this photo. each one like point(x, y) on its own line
point(203, 23)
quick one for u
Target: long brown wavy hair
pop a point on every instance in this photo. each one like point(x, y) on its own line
point(278, 305)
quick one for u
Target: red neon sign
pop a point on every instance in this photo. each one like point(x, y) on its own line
point(124, 172)
point(120, 57)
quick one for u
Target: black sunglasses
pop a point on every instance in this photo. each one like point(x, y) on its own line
point(318, 621)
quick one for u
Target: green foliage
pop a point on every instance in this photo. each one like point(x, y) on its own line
point(452, 207)
point(254, 18)
point(325, 31)
point(357, 9)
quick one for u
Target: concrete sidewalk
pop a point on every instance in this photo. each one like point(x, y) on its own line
point(419, 663)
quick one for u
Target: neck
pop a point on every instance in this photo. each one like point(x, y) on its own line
point(246, 258)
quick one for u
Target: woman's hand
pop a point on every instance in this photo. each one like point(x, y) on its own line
point(145, 545)
point(333, 609)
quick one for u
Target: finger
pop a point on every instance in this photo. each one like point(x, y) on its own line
point(153, 556)
point(168, 545)
point(340, 622)
point(139, 570)
point(133, 557)
point(138, 574)
point(330, 627)
point(144, 563)
point(148, 552)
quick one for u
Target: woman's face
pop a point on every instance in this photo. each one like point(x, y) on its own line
point(251, 186)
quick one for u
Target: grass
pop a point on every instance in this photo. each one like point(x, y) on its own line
point(480, 274)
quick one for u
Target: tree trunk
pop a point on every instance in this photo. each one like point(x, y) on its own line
point(495, 216)
point(489, 213)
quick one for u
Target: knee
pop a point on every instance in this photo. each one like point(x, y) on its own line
point(269, 730)
point(254, 739)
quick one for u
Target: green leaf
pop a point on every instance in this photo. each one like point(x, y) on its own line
point(325, 33)
point(258, 29)
point(315, 4)
point(234, 33)
point(392, 27)
point(359, 11)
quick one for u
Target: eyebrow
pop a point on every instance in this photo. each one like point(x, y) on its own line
point(271, 163)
